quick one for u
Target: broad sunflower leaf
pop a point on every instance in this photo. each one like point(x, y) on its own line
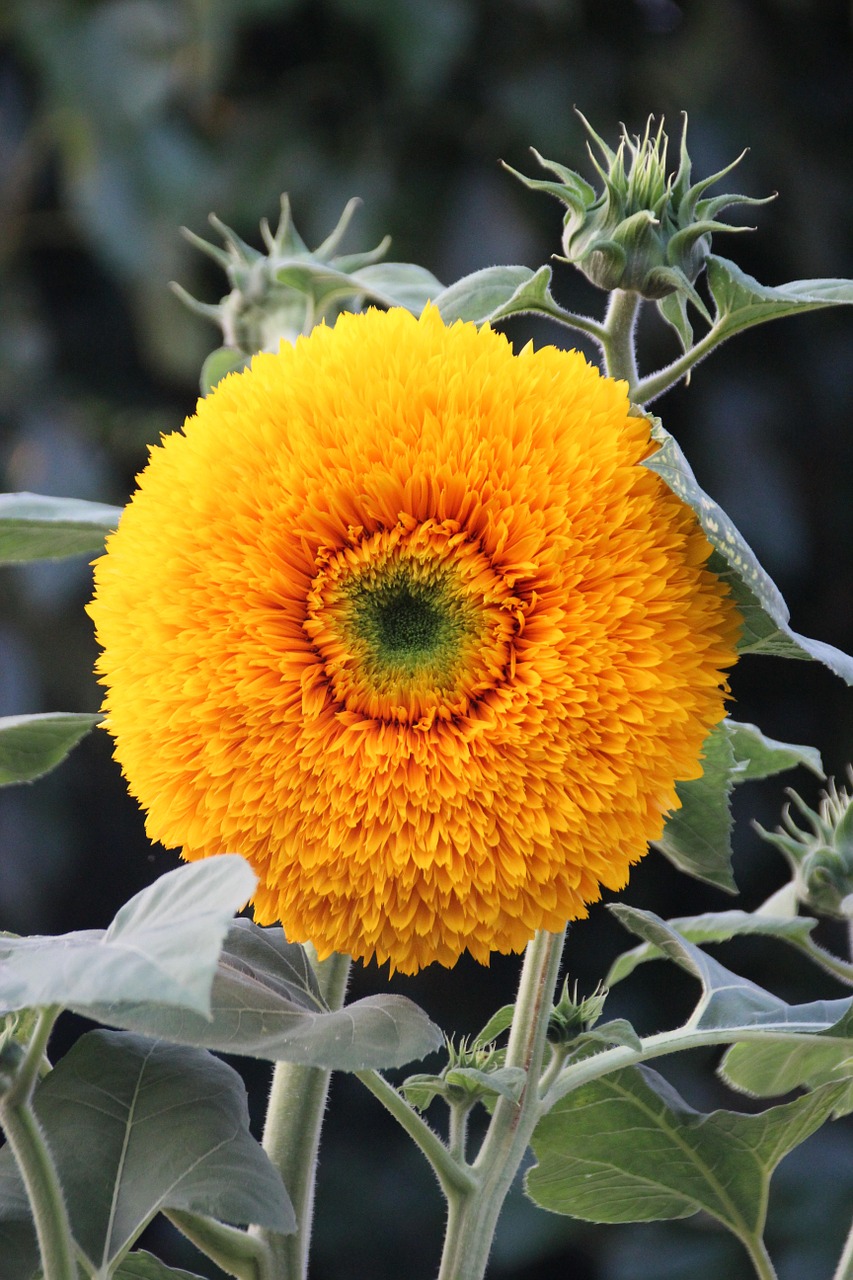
point(761, 757)
point(697, 837)
point(218, 364)
point(140, 1265)
point(135, 1127)
point(265, 1004)
point(495, 293)
point(767, 1070)
point(678, 1161)
point(32, 745)
point(399, 284)
point(730, 1003)
point(36, 527)
point(715, 926)
point(18, 1245)
point(163, 944)
point(741, 301)
point(765, 615)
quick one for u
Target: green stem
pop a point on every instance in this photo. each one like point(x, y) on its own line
point(620, 354)
point(649, 388)
point(292, 1132)
point(32, 1154)
point(759, 1257)
point(473, 1214)
point(844, 1270)
point(453, 1176)
point(237, 1252)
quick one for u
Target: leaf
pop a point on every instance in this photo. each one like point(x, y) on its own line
point(767, 1070)
point(163, 944)
point(715, 926)
point(18, 1245)
point(762, 757)
point(730, 1003)
point(496, 293)
point(741, 301)
point(628, 1148)
point(399, 284)
point(765, 615)
point(135, 1127)
point(32, 745)
point(509, 1082)
point(35, 527)
point(480, 295)
point(265, 1004)
point(220, 362)
point(140, 1265)
point(697, 837)
point(499, 1022)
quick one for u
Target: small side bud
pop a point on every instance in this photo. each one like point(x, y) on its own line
point(570, 1016)
point(821, 857)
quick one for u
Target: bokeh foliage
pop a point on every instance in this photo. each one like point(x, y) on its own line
point(121, 120)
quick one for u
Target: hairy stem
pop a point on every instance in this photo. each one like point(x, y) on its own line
point(620, 354)
point(292, 1132)
point(473, 1214)
point(32, 1154)
point(237, 1252)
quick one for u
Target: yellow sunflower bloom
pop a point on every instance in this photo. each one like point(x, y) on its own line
point(400, 618)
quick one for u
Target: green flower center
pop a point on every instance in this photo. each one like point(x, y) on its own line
point(408, 625)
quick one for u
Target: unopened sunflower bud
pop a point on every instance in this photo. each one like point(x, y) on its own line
point(822, 857)
point(571, 1016)
point(284, 292)
point(645, 231)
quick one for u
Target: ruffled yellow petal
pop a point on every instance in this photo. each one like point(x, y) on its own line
point(399, 617)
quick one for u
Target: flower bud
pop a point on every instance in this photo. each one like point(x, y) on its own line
point(822, 857)
point(645, 231)
point(570, 1017)
point(284, 292)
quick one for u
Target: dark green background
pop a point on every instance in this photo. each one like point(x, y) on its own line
point(120, 120)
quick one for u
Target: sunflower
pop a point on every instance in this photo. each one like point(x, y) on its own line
point(400, 617)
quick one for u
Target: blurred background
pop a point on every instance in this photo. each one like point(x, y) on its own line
point(120, 121)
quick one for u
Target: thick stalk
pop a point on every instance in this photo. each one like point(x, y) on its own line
point(620, 355)
point(473, 1214)
point(292, 1132)
point(31, 1152)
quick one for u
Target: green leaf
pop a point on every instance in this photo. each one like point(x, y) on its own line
point(399, 284)
point(715, 926)
point(135, 1127)
point(265, 1004)
point(32, 745)
point(496, 1026)
point(697, 837)
point(35, 527)
point(767, 1070)
point(673, 309)
point(765, 615)
point(140, 1265)
point(729, 1003)
point(628, 1148)
point(761, 757)
point(741, 301)
point(218, 364)
point(19, 1249)
point(482, 294)
point(162, 945)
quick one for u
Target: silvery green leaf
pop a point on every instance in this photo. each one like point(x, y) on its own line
point(36, 527)
point(32, 745)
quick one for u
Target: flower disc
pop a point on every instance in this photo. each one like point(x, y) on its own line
point(400, 617)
